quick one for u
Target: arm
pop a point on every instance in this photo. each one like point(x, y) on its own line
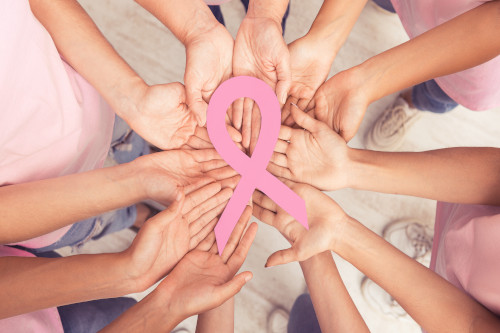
point(320, 157)
point(461, 43)
point(333, 305)
point(426, 296)
point(36, 208)
point(220, 319)
point(158, 113)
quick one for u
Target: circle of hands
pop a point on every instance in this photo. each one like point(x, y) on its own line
point(192, 179)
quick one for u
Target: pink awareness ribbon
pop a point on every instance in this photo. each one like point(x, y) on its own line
point(252, 169)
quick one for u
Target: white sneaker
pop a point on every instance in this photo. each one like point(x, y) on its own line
point(379, 300)
point(277, 321)
point(412, 238)
point(388, 131)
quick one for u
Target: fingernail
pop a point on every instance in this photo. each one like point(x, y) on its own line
point(295, 105)
point(248, 278)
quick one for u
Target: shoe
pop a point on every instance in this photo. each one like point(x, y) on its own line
point(388, 131)
point(277, 321)
point(381, 301)
point(412, 238)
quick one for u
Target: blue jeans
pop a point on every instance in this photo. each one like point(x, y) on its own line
point(303, 317)
point(218, 13)
point(126, 146)
point(428, 95)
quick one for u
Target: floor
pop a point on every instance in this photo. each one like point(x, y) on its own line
point(153, 51)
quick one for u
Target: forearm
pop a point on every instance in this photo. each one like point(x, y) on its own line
point(334, 22)
point(186, 19)
point(149, 315)
point(426, 297)
point(30, 284)
point(83, 46)
point(461, 43)
point(333, 305)
point(274, 10)
point(462, 175)
point(220, 319)
point(36, 208)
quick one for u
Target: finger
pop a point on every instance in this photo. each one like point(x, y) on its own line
point(289, 121)
point(246, 126)
point(233, 133)
point(203, 155)
point(285, 112)
point(237, 108)
point(197, 197)
point(255, 131)
point(284, 75)
point(213, 249)
point(311, 105)
point(207, 243)
point(231, 182)
point(264, 201)
point(281, 146)
point(232, 287)
point(212, 165)
point(234, 238)
point(302, 103)
point(197, 184)
point(173, 211)
point(202, 133)
point(203, 234)
point(206, 206)
point(282, 257)
point(229, 115)
point(279, 171)
point(238, 257)
point(285, 133)
point(198, 225)
point(304, 120)
point(279, 159)
point(195, 142)
point(222, 173)
point(264, 215)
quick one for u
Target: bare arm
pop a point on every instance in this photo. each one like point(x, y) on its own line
point(220, 319)
point(332, 303)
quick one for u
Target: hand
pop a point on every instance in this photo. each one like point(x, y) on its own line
point(162, 174)
point(160, 115)
point(168, 236)
point(315, 155)
point(341, 103)
point(208, 63)
point(204, 280)
point(259, 51)
point(310, 64)
point(326, 222)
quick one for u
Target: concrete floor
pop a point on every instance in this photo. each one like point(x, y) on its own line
point(155, 53)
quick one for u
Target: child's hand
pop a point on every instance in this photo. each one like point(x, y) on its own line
point(341, 103)
point(203, 279)
point(168, 236)
point(326, 221)
point(316, 155)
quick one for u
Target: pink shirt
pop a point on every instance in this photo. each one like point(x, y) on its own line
point(466, 250)
point(53, 122)
point(477, 88)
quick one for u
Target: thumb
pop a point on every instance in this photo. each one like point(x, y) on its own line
point(196, 104)
point(175, 209)
point(304, 120)
point(232, 287)
point(282, 257)
point(284, 76)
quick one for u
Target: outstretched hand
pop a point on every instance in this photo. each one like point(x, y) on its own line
point(326, 221)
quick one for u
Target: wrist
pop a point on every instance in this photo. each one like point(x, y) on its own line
point(345, 236)
point(274, 10)
point(201, 24)
point(372, 73)
point(126, 96)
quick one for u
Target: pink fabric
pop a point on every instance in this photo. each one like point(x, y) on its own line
point(54, 123)
point(476, 88)
point(46, 320)
point(466, 250)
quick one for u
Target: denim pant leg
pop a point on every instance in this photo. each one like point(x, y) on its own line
point(386, 4)
point(93, 316)
point(218, 13)
point(303, 317)
point(429, 96)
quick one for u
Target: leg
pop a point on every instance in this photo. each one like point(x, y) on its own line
point(302, 317)
point(92, 316)
point(429, 96)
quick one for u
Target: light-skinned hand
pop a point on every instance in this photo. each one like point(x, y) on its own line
point(314, 155)
point(326, 221)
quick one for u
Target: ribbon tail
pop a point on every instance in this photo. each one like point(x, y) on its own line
point(232, 213)
point(287, 199)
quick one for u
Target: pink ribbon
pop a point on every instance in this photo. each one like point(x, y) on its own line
point(252, 169)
